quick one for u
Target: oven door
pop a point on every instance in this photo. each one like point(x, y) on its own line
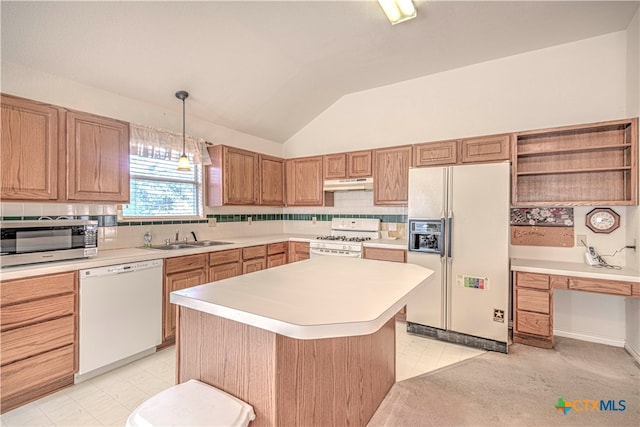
point(317, 252)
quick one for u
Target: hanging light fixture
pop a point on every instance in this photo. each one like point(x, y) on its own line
point(183, 162)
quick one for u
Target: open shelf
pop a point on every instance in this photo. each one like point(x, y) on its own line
point(597, 148)
point(592, 164)
point(565, 171)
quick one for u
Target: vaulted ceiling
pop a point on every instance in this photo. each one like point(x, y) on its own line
point(267, 68)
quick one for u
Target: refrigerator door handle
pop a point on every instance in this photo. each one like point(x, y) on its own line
point(449, 233)
point(441, 244)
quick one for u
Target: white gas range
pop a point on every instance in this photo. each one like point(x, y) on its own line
point(347, 235)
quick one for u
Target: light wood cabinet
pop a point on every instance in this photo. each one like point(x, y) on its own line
point(391, 175)
point(485, 149)
point(254, 258)
point(335, 166)
point(97, 158)
point(225, 264)
point(359, 164)
point(298, 251)
point(277, 254)
point(435, 153)
point(233, 177)
point(38, 324)
point(53, 154)
point(533, 309)
point(385, 254)
point(179, 273)
point(304, 180)
point(355, 164)
point(29, 150)
point(271, 181)
point(594, 164)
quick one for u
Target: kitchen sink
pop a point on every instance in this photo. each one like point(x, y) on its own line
point(190, 245)
point(172, 246)
point(207, 243)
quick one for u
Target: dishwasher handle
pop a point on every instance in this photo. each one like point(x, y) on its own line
point(112, 270)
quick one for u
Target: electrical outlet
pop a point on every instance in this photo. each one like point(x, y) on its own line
point(314, 219)
point(212, 222)
point(581, 240)
point(249, 220)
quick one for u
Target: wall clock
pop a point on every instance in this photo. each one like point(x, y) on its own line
point(602, 220)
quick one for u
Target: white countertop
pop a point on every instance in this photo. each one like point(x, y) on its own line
point(121, 256)
point(323, 297)
point(574, 269)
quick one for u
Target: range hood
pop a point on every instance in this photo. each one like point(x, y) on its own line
point(350, 184)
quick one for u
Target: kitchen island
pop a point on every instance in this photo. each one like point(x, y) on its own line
point(309, 343)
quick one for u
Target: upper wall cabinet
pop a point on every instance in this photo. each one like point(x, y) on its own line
point(29, 150)
point(233, 176)
point(304, 182)
point(49, 153)
point(435, 153)
point(594, 164)
point(271, 181)
point(97, 158)
point(391, 175)
point(356, 164)
point(484, 149)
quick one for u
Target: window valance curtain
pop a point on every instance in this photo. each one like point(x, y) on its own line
point(161, 144)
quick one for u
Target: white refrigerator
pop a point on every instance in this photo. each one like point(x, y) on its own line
point(469, 294)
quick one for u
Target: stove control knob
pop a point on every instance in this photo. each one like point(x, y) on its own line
point(345, 247)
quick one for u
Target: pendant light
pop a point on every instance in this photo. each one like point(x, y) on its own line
point(183, 162)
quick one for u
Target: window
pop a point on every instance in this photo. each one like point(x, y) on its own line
point(158, 189)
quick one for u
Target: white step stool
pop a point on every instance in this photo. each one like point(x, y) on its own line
point(192, 404)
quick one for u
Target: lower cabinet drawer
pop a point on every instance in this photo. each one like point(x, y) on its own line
point(600, 286)
point(36, 371)
point(533, 323)
point(277, 248)
point(17, 315)
point(225, 257)
point(532, 280)
point(254, 252)
point(31, 340)
point(532, 300)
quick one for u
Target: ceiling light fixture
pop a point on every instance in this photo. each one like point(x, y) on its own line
point(183, 162)
point(398, 10)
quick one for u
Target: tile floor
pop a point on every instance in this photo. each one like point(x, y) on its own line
point(107, 400)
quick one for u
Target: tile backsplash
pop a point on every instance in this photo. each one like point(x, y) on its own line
point(230, 221)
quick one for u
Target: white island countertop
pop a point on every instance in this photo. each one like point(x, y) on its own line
point(323, 297)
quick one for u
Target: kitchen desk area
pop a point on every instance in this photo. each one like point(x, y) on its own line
point(310, 343)
point(534, 283)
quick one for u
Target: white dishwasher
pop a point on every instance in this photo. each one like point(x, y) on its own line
point(120, 315)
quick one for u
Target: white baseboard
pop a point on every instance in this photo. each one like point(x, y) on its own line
point(590, 338)
point(633, 352)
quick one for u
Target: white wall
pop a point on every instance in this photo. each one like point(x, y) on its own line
point(632, 306)
point(580, 82)
point(28, 83)
point(577, 82)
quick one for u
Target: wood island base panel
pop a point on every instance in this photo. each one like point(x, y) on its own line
point(289, 382)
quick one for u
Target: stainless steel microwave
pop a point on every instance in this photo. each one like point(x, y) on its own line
point(27, 242)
